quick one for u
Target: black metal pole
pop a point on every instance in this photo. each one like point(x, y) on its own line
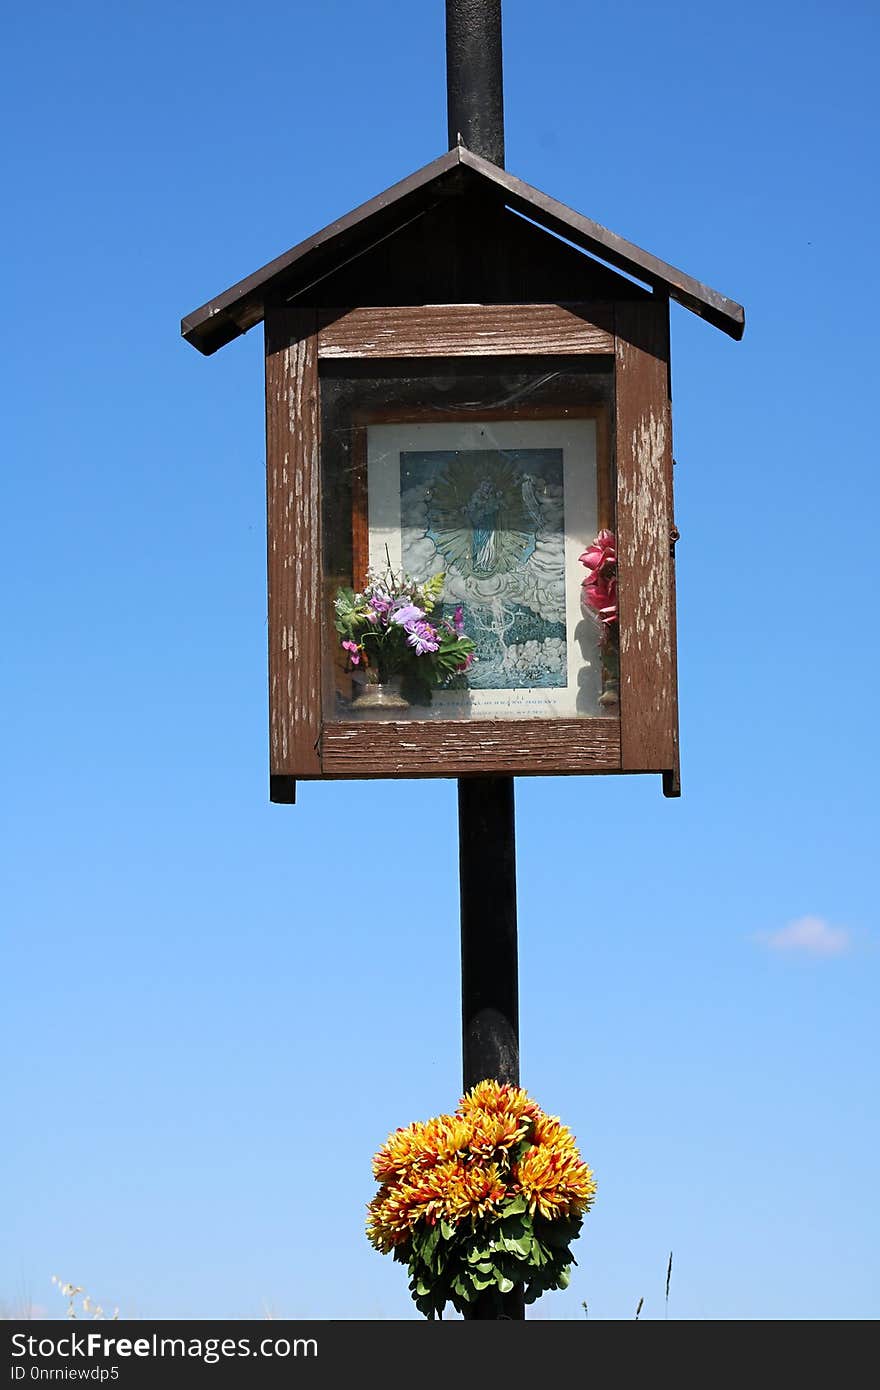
point(487, 876)
point(489, 988)
point(474, 85)
point(486, 819)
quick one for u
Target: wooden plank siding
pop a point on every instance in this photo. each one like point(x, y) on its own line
point(294, 542)
point(466, 330)
point(453, 748)
point(648, 682)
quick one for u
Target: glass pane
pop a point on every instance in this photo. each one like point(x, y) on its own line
point(462, 507)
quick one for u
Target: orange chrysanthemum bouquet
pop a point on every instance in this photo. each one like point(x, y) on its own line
point(482, 1201)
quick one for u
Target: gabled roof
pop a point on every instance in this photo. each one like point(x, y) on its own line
point(241, 307)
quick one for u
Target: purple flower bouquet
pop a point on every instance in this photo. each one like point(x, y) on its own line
point(394, 627)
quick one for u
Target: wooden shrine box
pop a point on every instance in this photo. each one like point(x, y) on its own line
point(452, 388)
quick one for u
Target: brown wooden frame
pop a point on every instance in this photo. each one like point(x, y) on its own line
point(466, 330)
point(645, 738)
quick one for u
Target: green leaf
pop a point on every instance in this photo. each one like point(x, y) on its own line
point(504, 1284)
point(520, 1248)
point(477, 1254)
point(429, 1243)
point(446, 1230)
point(557, 1233)
point(426, 1307)
point(513, 1205)
point(482, 1281)
point(431, 591)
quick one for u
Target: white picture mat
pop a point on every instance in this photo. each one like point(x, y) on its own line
point(577, 438)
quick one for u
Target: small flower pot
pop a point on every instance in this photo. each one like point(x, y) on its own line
point(381, 700)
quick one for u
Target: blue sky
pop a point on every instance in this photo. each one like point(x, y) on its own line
point(214, 1009)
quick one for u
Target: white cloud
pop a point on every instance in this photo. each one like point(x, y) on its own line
point(808, 936)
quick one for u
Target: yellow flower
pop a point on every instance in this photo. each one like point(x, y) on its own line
point(551, 1173)
point(497, 1097)
point(420, 1145)
point(489, 1132)
point(472, 1191)
point(461, 1167)
point(398, 1152)
point(386, 1226)
point(452, 1191)
point(443, 1138)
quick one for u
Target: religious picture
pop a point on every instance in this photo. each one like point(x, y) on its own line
point(493, 520)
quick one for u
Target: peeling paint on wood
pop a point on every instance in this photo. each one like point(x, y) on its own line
point(446, 748)
point(294, 542)
point(648, 685)
point(466, 330)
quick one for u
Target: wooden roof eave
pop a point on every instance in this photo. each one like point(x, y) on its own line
point(243, 305)
point(715, 308)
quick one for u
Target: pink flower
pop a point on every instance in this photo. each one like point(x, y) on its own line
point(600, 584)
point(458, 620)
point(602, 552)
point(354, 652)
point(601, 596)
point(465, 665)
